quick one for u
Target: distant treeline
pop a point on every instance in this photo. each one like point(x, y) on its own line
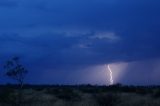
point(83, 85)
point(111, 87)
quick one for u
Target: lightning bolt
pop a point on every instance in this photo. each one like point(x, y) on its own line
point(111, 74)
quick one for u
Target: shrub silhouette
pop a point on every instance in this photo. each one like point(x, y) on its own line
point(7, 96)
point(156, 94)
point(67, 94)
point(108, 99)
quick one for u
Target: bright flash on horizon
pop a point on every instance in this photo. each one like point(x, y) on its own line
point(111, 74)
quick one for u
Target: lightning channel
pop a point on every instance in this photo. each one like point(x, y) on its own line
point(111, 75)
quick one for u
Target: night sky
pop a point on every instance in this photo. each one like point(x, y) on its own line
point(70, 41)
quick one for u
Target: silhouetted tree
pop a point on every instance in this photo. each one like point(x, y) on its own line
point(17, 72)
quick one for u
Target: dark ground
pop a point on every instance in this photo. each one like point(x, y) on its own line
point(80, 95)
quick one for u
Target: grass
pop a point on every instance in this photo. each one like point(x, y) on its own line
point(82, 96)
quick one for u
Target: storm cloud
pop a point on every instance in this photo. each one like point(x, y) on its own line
point(69, 35)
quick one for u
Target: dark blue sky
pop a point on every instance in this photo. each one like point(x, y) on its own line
point(69, 41)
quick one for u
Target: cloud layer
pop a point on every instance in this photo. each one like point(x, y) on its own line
point(64, 35)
